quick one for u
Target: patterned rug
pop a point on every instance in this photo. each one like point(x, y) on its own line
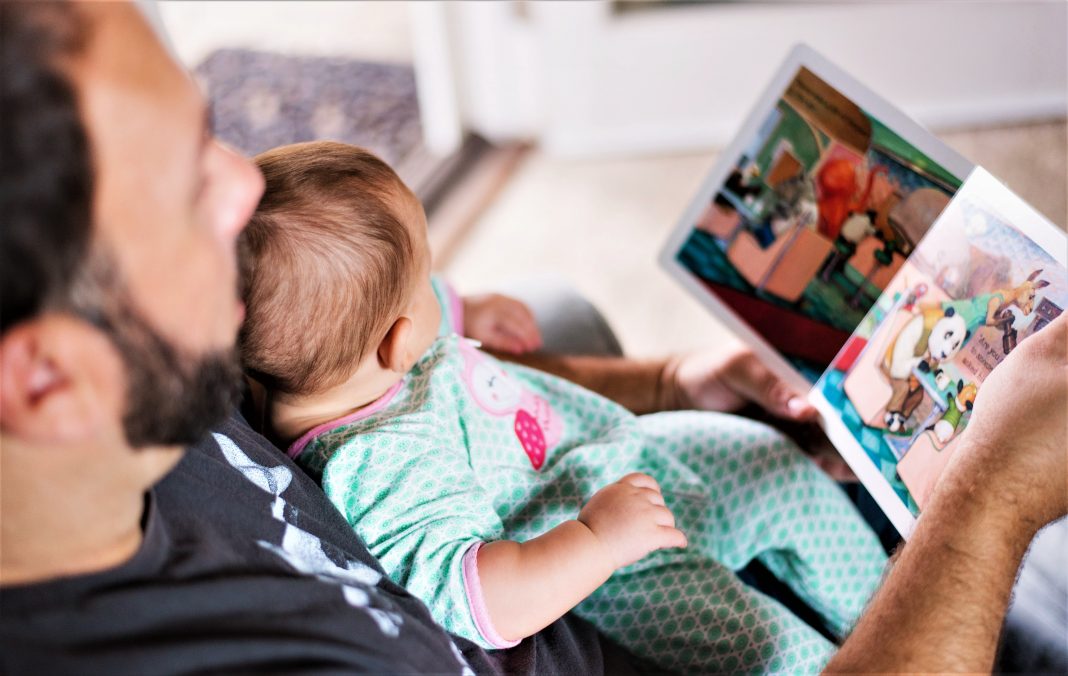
point(261, 100)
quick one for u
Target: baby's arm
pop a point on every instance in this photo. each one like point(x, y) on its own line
point(527, 586)
point(418, 505)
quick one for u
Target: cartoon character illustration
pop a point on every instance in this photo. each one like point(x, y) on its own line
point(934, 335)
point(992, 308)
point(837, 183)
point(537, 427)
point(795, 204)
point(855, 229)
point(946, 426)
point(1023, 297)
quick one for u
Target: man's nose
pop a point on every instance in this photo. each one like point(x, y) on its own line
point(244, 189)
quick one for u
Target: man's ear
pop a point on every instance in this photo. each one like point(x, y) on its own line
point(61, 381)
point(393, 350)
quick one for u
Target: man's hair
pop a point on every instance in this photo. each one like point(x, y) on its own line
point(48, 259)
point(327, 264)
point(46, 173)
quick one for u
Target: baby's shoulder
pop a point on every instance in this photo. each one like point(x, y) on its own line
point(413, 414)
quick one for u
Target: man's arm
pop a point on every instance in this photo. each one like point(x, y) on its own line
point(942, 605)
point(730, 379)
point(723, 379)
point(640, 385)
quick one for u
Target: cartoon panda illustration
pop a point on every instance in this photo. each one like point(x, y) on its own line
point(935, 335)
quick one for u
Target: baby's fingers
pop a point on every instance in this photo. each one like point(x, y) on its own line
point(662, 516)
point(641, 481)
point(669, 536)
point(654, 496)
point(520, 342)
point(504, 341)
point(519, 321)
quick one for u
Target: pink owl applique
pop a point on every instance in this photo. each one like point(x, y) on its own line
point(537, 427)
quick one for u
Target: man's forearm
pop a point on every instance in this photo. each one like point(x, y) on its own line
point(642, 386)
point(942, 605)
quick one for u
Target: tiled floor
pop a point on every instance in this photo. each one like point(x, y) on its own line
point(601, 223)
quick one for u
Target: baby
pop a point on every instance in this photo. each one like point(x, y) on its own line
point(505, 497)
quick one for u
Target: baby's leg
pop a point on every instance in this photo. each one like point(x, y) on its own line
point(696, 616)
point(766, 500)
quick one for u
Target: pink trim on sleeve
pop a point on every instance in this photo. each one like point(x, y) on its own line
point(298, 446)
point(456, 309)
point(478, 603)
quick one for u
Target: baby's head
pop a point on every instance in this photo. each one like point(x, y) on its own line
point(336, 272)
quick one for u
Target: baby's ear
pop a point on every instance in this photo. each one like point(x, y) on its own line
point(393, 350)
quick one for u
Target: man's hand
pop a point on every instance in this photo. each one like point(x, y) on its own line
point(727, 379)
point(942, 606)
point(501, 323)
point(1015, 443)
point(630, 519)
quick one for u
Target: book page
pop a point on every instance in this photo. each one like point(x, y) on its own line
point(810, 213)
point(990, 273)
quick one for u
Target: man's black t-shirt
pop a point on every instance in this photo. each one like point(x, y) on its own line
point(246, 566)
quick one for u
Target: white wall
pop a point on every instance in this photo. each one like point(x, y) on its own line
point(376, 30)
point(582, 80)
point(585, 81)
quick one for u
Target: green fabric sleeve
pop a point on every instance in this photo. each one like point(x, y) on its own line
point(416, 502)
point(452, 312)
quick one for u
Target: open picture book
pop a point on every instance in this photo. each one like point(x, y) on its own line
point(870, 266)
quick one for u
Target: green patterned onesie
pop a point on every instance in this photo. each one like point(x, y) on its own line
point(467, 450)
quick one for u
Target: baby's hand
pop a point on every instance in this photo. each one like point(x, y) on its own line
point(501, 323)
point(630, 519)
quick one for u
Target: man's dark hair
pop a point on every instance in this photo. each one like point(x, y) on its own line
point(48, 259)
point(46, 175)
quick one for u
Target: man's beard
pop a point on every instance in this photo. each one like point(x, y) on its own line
point(172, 398)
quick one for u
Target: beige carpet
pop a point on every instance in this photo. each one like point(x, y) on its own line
point(601, 223)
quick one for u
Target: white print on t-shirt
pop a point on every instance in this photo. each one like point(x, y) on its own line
point(302, 550)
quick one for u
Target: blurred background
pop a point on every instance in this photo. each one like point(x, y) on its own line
point(566, 138)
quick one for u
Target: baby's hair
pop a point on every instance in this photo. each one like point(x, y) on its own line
point(326, 264)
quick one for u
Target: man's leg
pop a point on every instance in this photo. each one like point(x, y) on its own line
point(762, 498)
point(695, 616)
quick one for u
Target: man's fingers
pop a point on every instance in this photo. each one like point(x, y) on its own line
point(780, 399)
point(836, 468)
point(753, 380)
point(798, 408)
